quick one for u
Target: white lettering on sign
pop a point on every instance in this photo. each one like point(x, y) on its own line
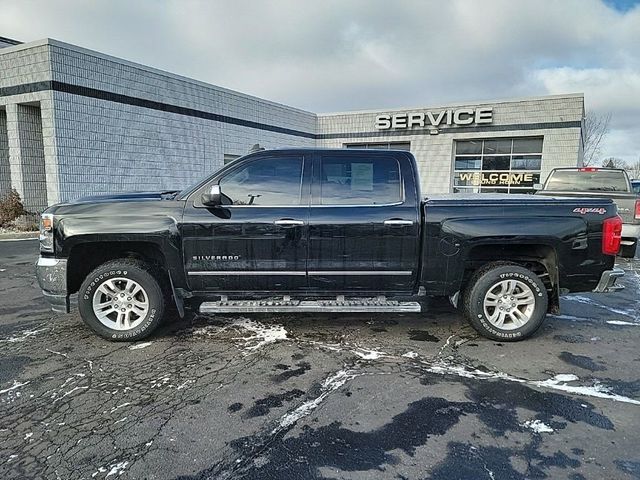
point(459, 116)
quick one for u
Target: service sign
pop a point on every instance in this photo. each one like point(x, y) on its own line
point(458, 116)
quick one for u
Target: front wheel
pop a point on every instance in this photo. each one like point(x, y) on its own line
point(505, 302)
point(121, 300)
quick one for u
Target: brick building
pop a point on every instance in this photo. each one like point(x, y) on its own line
point(75, 122)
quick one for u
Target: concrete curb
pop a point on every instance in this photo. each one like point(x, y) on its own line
point(12, 236)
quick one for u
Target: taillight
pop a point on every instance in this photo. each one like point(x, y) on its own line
point(611, 235)
point(588, 169)
point(637, 214)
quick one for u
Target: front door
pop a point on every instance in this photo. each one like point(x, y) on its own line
point(364, 223)
point(258, 242)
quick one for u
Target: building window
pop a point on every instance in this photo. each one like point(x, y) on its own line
point(497, 165)
point(381, 146)
point(229, 157)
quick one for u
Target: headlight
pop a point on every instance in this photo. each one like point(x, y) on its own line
point(46, 232)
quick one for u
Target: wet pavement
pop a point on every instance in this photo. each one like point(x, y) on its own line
point(318, 396)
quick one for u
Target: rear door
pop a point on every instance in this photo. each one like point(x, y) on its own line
point(258, 243)
point(364, 223)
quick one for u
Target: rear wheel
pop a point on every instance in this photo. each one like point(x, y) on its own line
point(121, 300)
point(505, 302)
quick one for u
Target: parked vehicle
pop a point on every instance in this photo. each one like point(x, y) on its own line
point(308, 230)
point(601, 183)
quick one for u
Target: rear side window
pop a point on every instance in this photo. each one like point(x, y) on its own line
point(274, 181)
point(359, 181)
point(588, 181)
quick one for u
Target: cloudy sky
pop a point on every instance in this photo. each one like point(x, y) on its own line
point(336, 55)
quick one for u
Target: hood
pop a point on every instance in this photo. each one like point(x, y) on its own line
point(129, 197)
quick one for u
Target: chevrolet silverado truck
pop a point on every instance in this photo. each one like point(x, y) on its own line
point(601, 183)
point(311, 230)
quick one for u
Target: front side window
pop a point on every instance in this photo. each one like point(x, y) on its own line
point(267, 181)
point(360, 181)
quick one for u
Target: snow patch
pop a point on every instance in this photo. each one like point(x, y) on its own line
point(260, 334)
point(330, 384)
point(367, 354)
point(185, 384)
point(622, 322)
point(24, 335)
point(115, 469)
point(558, 382)
point(160, 382)
point(410, 355)
point(56, 353)
point(74, 389)
point(15, 385)
point(570, 318)
point(119, 406)
point(138, 346)
point(589, 301)
point(537, 426)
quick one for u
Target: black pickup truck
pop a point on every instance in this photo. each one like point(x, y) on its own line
point(311, 230)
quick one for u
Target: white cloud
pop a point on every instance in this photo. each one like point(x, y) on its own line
point(362, 54)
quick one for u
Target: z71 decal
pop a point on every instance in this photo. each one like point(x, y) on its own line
point(585, 210)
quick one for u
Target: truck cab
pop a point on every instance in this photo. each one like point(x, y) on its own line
point(332, 221)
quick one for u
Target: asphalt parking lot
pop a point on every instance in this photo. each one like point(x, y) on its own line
point(318, 396)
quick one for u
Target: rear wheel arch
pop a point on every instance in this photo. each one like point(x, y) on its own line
point(539, 258)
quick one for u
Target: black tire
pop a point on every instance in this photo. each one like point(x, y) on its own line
point(129, 269)
point(488, 279)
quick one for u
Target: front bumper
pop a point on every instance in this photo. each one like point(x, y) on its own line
point(608, 280)
point(52, 278)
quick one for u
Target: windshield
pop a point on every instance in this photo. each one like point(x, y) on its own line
point(635, 185)
point(588, 181)
point(194, 186)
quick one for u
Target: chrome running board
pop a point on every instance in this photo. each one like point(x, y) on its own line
point(285, 304)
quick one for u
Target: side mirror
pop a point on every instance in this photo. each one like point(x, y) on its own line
point(213, 197)
point(537, 186)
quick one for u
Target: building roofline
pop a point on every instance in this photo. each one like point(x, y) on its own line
point(10, 40)
point(146, 68)
point(182, 78)
point(457, 104)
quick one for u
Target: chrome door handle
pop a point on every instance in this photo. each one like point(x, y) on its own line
point(396, 222)
point(288, 222)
